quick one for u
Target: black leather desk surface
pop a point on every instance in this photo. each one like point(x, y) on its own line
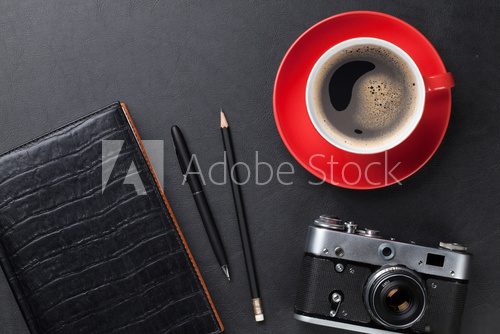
point(177, 62)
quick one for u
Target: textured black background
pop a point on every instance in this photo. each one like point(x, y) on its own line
point(177, 62)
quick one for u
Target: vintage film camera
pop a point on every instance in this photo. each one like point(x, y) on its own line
point(356, 280)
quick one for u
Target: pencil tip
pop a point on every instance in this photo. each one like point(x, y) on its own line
point(223, 120)
point(225, 270)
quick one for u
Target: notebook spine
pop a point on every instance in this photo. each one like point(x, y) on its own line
point(159, 188)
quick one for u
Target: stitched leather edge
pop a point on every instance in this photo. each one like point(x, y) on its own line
point(170, 211)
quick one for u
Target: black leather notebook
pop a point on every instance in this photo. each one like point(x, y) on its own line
point(88, 241)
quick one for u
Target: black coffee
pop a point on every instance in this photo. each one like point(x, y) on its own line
point(343, 80)
point(365, 95)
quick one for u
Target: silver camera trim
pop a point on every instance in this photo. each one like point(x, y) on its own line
point(341, 325)
point(336, 244)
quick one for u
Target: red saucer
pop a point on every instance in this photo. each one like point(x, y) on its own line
point(327, 162)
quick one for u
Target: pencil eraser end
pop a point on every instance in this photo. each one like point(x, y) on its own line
point(257, 310)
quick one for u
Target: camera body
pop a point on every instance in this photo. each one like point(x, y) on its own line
point(356, 280)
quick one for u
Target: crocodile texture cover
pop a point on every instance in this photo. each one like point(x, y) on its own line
point(83, 258)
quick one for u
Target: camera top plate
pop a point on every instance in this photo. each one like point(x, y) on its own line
point(372, 249)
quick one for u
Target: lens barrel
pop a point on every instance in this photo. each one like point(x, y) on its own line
point(395, 297)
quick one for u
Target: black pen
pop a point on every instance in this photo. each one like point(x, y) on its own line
point(193, 178)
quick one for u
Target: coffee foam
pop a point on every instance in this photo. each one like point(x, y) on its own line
point(383, 100)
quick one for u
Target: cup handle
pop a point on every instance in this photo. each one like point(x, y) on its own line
point(439, 82)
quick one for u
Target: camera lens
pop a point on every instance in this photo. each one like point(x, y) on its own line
point(398, 300)
point(395, 297)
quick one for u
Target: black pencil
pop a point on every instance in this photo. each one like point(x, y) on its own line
point(242, 223)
